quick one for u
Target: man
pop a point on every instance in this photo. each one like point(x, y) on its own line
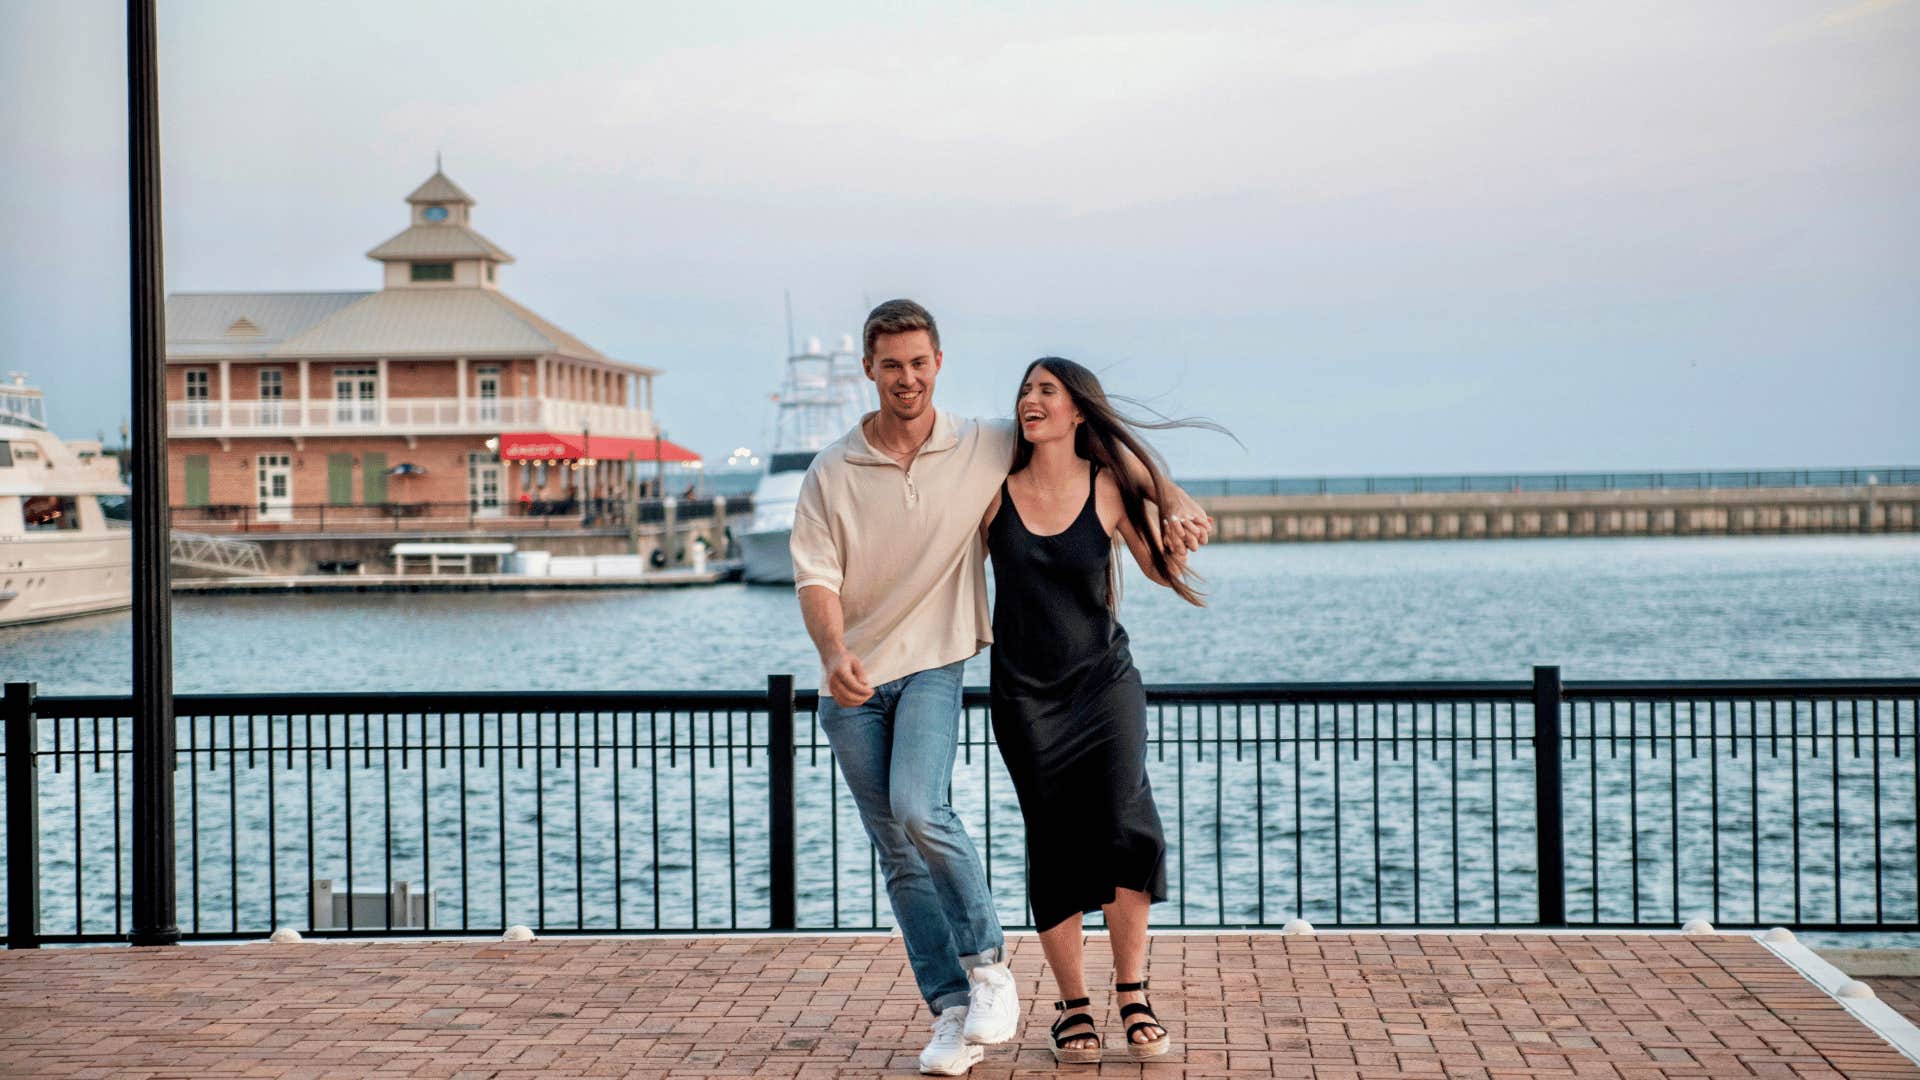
point(887, 561)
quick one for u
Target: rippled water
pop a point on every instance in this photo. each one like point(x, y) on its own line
point(1604, 608)
point(1250, 841)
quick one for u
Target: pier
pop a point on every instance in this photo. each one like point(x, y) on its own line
point(1562, 505)
point(1239, 1005)
point(309, 538)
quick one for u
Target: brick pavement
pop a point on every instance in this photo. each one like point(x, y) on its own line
point(1327, 1006)
point(1900, 991)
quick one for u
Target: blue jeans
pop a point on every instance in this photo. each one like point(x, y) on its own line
point(896, 752)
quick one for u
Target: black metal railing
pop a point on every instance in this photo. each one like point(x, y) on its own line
point(1517, 482)
point(468, 515)
point(1522, 803)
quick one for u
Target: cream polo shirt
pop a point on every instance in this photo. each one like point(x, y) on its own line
point(901, 546)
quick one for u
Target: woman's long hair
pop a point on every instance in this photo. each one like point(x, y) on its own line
point(1099, 438)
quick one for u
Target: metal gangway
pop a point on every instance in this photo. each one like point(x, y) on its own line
point(217, 554)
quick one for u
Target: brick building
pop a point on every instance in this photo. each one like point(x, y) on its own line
point(435, 396)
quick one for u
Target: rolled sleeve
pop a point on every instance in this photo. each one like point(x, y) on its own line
point(816, 557)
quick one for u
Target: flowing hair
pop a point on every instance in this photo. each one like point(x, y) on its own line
point(1100, 439)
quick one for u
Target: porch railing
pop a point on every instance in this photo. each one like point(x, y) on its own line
point(1523, 803)
point(471, 515)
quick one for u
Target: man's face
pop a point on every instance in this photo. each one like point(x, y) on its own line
point(903, 367)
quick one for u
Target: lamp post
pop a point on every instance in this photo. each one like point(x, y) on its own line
point(586, 478)
point(153, 730)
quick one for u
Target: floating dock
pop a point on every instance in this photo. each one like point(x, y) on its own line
point(417, 583)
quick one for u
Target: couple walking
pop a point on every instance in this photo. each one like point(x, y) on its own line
point(887, 545)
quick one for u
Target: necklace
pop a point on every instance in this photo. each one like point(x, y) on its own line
point(874, 438)
point(1051, 493)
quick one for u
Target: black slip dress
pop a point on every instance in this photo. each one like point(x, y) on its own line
point(1070, 716)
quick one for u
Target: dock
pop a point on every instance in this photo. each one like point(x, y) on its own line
point(1326, 1005)
point(416, 583)
point(1521, 513)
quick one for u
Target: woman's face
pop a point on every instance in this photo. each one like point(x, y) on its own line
point(1045, 410)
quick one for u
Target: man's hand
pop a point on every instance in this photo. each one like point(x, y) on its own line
point(847, 680)
point(1183, 524)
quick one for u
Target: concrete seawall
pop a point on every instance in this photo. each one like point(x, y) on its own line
point(291, 553)
point(1496, 515)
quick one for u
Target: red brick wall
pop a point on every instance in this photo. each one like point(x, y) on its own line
point(232, 480)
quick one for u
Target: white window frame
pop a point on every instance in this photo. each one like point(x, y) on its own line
point(273, 393)
point(361, 401)
point(199, 405)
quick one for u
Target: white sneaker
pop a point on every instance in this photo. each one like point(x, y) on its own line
point(949, 1054)
point(993, 1007)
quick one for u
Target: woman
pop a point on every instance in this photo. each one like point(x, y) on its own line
point(1068, 709)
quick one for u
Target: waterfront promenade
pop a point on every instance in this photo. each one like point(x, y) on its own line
point(1322, 1006)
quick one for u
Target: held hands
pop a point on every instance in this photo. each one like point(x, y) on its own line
point(1185, 526)
point(847, 680)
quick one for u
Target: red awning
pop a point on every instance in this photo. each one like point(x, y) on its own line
point(550, 446)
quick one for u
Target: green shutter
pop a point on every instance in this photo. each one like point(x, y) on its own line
point(340, 479)
point(199, 484)
point(373, 476)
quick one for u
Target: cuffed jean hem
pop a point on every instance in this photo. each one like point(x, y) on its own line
point(982, 958)
point(947, 1001)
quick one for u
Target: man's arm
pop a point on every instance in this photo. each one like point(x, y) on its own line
point(817, 571)
point(1183, 523)
point(846, 677)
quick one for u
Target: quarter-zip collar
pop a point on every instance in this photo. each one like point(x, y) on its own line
point(946, 436)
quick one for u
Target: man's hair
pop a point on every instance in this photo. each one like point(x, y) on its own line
point(898, 317)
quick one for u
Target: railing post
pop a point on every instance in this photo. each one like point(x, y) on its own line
point(23, 818)
point(1549, 825)
point(780, 846)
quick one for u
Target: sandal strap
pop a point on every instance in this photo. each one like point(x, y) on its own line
point(1128, 988)
point(1135, 1008)
point(1131, 1028)
point(1073, 1003)
point(1075, 1020)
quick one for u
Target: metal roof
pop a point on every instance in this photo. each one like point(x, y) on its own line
point(213, 325)
point(439, 242)
point(435, 321)
point(439, 189)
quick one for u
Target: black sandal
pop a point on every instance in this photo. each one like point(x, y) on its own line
point(1151, 1047)
point(1075, 1055)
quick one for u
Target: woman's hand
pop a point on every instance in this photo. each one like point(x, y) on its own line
point(1184, 525)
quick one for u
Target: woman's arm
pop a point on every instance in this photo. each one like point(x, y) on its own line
point(1108, 503)
point(1186, 522)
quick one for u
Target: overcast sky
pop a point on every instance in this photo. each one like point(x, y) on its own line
point(1368, 237)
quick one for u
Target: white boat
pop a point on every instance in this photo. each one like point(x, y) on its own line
point(60, 556)
point(822, 396)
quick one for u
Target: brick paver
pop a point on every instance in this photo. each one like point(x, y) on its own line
point(1900, 991)
point(1326, 1006)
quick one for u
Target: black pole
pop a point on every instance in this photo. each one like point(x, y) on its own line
point(23, 818)
point(153, 737)
point(1549, 843)
point(780, 846)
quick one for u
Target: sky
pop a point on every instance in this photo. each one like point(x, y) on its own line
point(1372, 238)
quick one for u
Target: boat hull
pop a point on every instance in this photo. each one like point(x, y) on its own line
point(42, 580)
point(767, 559)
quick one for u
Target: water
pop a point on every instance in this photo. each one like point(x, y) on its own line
point(1653, 608)
point(1601, 608)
